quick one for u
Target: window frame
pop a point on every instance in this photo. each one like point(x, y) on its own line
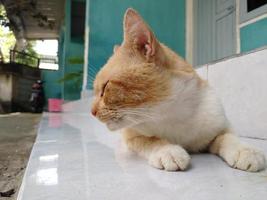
point(245, 16)
point(75, 37)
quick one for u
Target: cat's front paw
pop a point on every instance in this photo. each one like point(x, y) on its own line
point(170, 158)
point(247, 159)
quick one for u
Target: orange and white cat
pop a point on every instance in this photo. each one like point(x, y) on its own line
point(164, 109)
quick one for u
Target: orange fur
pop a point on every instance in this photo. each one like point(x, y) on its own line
point(162, 105)
point(135, 79)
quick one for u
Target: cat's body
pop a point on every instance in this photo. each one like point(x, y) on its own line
point(162, 106)
point(191, 116)
point(193, 126)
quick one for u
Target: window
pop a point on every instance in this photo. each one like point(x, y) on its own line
point(250, 9)
point(254, 4)
point(77, 20)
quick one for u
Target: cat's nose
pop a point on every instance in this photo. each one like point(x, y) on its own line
point(94, 111)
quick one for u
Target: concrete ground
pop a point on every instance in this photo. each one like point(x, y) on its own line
point(17, 135)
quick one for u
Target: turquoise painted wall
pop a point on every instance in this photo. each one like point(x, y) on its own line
point(72, 49)
point(166, 18)
point(253, 35)
point(52, 89)
point(68, 49)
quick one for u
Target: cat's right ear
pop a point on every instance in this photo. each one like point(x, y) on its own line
point(138, 34)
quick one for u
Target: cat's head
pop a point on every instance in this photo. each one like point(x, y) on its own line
point(136, 79)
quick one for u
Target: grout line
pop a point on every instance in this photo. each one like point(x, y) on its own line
point(251, 137)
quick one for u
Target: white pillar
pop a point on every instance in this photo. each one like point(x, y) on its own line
point(85, 92)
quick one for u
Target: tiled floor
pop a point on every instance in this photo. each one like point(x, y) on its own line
point(75, 158)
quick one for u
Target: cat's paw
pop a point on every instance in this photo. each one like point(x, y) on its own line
point(170, 158)
point(247, 159)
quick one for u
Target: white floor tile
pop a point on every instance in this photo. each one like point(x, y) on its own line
point(75, 157)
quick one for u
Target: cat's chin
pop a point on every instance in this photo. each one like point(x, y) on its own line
point(113, 126)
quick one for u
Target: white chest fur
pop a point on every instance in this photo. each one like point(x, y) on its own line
point(192, 120)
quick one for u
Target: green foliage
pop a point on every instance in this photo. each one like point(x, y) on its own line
point(74, 77)
point(75, 60)
point(30, 60)
point(7, 38)
point(3, 18)
point(8, 42)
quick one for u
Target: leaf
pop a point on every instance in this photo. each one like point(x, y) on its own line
point(72, 76)
point(75, 60)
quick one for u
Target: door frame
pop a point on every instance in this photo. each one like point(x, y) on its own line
point(191, 34)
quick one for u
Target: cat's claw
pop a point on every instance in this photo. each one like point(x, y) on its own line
point(170, 158)
point(247, 159)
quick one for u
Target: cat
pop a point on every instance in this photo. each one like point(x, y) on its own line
point(164, 109)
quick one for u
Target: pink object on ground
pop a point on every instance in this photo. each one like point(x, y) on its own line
point(55, 105)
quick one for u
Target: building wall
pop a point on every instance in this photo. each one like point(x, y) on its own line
point(5, 87)
point(52, 88)
point(69, 49)
point(73, 49)
point(251, 28)
point(166, 18)
point(253, 35)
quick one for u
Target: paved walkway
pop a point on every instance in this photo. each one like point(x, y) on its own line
point(17, 135)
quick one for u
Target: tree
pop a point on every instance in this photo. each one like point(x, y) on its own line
point(8, 42)
point(7, 38)
point(28, 60)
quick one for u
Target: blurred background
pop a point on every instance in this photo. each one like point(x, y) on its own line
point(51, 50)
point(68, 41)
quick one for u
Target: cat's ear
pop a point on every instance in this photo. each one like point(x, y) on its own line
point(115, 48)
point(138, 34)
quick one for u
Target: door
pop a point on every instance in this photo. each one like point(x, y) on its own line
point(215, 30)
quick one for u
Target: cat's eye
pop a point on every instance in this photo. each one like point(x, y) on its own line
point(103, 89)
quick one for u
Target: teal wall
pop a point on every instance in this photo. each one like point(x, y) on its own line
point(253, 35)
point(70, 49)
point(52, 89)
point(166, 18)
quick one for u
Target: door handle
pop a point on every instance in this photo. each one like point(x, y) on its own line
point(230, 8)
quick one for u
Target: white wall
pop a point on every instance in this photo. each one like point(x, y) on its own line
point(241, 83)
point(5, 87)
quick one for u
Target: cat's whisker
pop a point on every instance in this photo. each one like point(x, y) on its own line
point(144, 111)
point(141, 114)
point(141, 111)
point(134, 121)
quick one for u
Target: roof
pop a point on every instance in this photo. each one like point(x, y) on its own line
point(35, 19)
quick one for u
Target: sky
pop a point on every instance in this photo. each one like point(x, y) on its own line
point(46, 47)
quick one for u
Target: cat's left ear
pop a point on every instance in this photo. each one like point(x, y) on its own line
point(138, 34)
